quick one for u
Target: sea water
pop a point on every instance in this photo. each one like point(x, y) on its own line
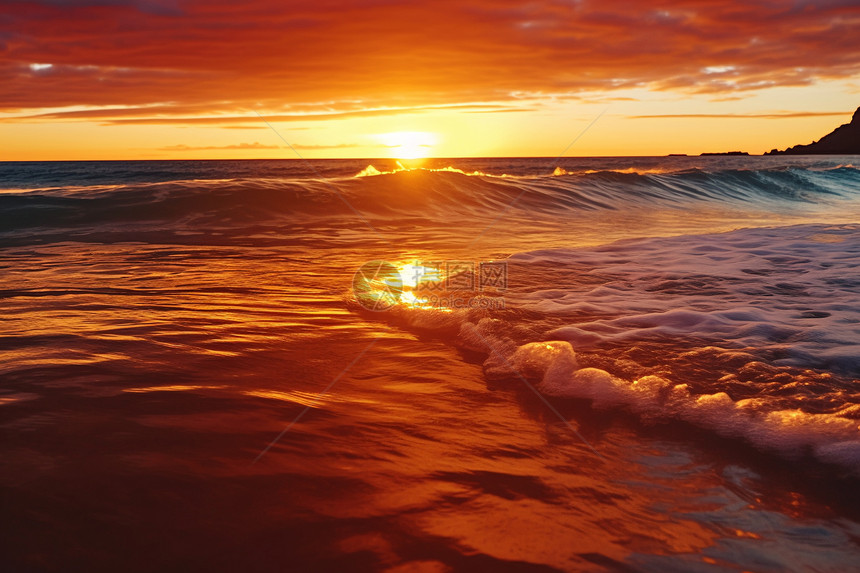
point(631, 364)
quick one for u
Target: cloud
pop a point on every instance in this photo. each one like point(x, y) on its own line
point(181, 114)
point(163, 7)
point(779, 115)
point(240, 146)
point(376, 54)
point(337, 146)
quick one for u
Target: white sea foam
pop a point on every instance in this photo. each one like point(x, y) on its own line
point(830, 437)
point(788, 291)
point(791, 289)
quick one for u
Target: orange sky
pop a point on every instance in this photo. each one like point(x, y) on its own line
point(186, 79)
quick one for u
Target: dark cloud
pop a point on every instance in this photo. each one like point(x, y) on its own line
point(161, 7)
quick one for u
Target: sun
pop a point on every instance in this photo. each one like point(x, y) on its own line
point(409, 144)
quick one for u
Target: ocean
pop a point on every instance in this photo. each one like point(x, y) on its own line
point(509, 364)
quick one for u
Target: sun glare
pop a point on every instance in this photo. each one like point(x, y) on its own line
point(409, 144)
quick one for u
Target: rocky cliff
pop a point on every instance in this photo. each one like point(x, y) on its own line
point(844, 140)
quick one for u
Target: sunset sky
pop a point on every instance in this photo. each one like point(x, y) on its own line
point(186, 79)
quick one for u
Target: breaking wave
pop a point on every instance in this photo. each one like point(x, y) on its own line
point(430, 194)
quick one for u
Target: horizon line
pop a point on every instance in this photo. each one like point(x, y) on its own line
point(703, 154)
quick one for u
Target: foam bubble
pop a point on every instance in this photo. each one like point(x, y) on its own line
point(792, 432)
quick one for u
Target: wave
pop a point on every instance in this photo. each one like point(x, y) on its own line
point(427, 194)
point(371, 171)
